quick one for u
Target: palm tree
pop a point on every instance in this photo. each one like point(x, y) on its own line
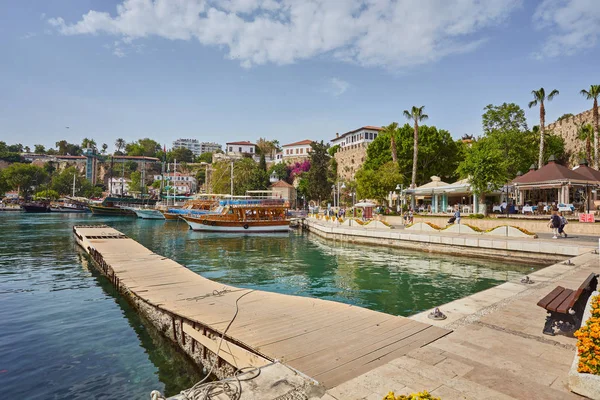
point(539, 96)
point(120, 144)
point(391, 129)
point(416, 115)
point(592, 94)
point(585, 133)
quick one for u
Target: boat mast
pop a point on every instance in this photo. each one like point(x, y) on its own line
point(231, 189)
point(74, 184)
point(173, 180)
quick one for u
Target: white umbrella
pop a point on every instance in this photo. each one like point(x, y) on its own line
point(365, 204)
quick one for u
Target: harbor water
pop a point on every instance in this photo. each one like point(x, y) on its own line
point(66, 333)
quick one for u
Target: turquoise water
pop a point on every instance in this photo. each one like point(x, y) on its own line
point(65, 333)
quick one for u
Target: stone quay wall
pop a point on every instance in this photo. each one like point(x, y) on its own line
point(567, 129)
point(349, 159)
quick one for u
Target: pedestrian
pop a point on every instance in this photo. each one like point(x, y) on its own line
point(457, 215)
point(563, 222)
point(411, 216)
point(554, 224)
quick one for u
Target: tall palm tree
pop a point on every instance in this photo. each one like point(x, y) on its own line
point(585, 133)
point(539, 97)
point(592, 94)
point(391, 129)
point(416, 115)
point(120, 144)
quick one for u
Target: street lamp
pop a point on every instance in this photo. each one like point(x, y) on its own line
point(339, 191)
point(399, 187)
point(333, 190)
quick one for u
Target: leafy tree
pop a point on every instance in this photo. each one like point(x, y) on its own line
point(120, 144)
point(201, 176)
point(585, 132)
point(4, 186)
point(15, 148)
point(592, 94)
point(281, 171)
point(65, 148)
point(27, 149)
point(539, 96)
point(88, 143)
point(376, 184)
point(62, 183)
point(439, 153)
point(39, 149)
point(246, 176)
point(205, 157)
point(504, 118)
point(136, 182)
point(266, 147)
point(104, 148)
point(51, 152)
point(143, 147)
point(334, 149)
point(8, 153)
point(390, 130)
point(319, 175)
point(24, 177)
point(181, 154)
point(46, 194)
point(483, 166)
point(416, 115)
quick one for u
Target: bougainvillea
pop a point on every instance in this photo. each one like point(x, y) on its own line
point(298, 168)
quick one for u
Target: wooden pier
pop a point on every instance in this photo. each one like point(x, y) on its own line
point(328, 341)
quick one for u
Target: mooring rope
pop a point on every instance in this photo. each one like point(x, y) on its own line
point(231, 387)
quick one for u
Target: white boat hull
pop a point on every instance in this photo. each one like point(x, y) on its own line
point(148, 213)
point(237, 229)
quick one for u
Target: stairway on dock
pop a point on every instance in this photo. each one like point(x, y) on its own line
point(328, 341)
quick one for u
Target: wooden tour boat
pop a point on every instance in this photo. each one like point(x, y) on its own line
point(244, 216)
point(119, 206)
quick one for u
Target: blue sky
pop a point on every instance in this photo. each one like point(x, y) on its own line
point(288, 70)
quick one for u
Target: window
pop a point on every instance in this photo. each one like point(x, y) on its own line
point(374, 136)
point(251, 149)
point(297, 151)
point(239, 149)
point(230, 149)
point(301, 151)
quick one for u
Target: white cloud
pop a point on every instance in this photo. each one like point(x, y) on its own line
point(29, 35)
point(336, 87)
point(573, 25)
point(390, 33)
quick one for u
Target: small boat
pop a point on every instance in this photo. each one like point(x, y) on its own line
point(70, 205)
point(147, 213)
point(244, 216)
point(119, 206)
point(194, 207)
point(36, 207)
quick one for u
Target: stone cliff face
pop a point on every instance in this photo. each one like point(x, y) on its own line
point(567, 129)
point(350, 159)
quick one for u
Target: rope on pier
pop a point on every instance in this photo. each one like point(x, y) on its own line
point(231, 387)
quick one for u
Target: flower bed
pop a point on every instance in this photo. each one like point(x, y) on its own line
point(424, 395)
point(588, 341)
point(434, 226)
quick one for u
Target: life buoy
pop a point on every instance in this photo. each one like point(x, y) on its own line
point(246, 226)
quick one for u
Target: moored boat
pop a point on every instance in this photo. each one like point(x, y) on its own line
point(36, 207)
point(70, 205)
point(244, 216)
point(119, 206)
point(148, 213)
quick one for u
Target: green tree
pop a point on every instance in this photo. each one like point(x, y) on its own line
point(104, 148)
point(245, 176)
point(539, 97)
point(585, 133)
point(334, 149)
point(592, 94)
point(377, 184)
point(16, 148)
point(319, 175)
point(65, 148)
point(46, 194)
point(391, 131)
point(143, 147)
point(181, 154)
point(62, 182)
point(27, 149)
point(505, 117)
point(120, 145)
point(136, 182)
point(39, 149)
point(483, 165)
point(4, 186)
point(416, 115)
point(89, 143)
point(281, 171)
point(25, 177)
point(205, 157)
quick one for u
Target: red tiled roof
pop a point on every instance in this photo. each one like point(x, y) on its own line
point(72, 157)
point(588, 172)
point(307, 141)
point(551, 172)
point(281, 184)
point(136, 158)
point(246, 143)
point(368, 127)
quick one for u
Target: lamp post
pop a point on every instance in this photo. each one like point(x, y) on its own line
point(399, 187)
point(333, 190)
point(339, 191)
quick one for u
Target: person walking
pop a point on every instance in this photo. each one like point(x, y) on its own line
point(554, 224)
point(457, 215)
point(563, 222)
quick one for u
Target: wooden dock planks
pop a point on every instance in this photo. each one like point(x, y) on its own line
point(329, 341)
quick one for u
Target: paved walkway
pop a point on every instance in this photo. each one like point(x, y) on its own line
point(496, 350)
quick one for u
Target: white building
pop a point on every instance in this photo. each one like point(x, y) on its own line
point(238, 149)
point(119, 186)
point(300, 149)
point(182, 183)
point(366, 135)
point(196, 146)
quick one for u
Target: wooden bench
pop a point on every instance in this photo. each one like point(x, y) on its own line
point(566, 305)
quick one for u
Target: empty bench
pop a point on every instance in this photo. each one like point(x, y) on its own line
point(566, 306)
